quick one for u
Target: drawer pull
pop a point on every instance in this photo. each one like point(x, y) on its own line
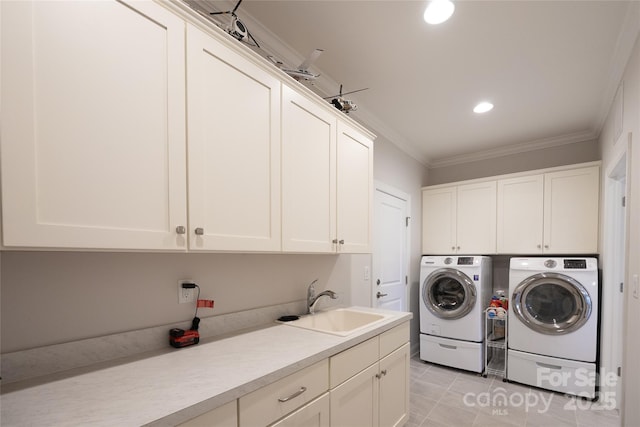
point(450, 347)
point(293, 396)
point(546, 365)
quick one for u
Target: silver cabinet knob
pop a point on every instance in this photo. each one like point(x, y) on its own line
point(453, 248)
point(199, 231)
point(458, 247)
point(335, 241)
point(539, 246)
point(341, 242)
point(181, 229)
point(546, 246)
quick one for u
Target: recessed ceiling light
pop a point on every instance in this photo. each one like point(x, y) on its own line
point(483, 107)
point(438, 11)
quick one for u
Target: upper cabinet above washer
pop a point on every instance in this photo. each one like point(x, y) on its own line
point(459, 219)
point(551, 211)
point(93, 129)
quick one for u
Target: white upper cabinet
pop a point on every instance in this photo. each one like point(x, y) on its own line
point(476, 210)
point(571, 203)
point(93, 129)
point(126, 128)
point(520, 214)
point(327, 180)
point(234, 149)
point(459, 219)
point(308, 175)
point(354, 170)
point(552, 213)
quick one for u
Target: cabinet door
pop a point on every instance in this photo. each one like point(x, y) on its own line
point(520, 208)
point(355, 402)
point(476, 228)
point(234, 149)
point(439, 221)
point(354, 170)
point(315, 414)
point(93, 132)
point(571, 203)
point(394, 388)
point(308, 175)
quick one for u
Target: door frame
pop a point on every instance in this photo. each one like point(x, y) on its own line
point(405, 197)
point(615, 239)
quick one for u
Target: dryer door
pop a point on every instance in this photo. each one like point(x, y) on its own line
point(449, 293)
point(551, 303)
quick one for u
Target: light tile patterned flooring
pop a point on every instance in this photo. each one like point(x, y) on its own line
point(442, 396)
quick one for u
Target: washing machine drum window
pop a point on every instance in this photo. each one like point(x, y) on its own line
point(449, 293)
point(551, 303)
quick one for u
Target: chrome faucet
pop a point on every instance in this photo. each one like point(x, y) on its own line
point(312, 298)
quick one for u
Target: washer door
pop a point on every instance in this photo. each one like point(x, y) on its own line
point(551, 303)
point(449, 293)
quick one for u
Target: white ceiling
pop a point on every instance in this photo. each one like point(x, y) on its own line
point(550, 67)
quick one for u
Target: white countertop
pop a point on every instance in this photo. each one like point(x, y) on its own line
point(172, 388)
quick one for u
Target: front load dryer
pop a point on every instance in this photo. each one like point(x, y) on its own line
point(553, 323)
point(454, 291)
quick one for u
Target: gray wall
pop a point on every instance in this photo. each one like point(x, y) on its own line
point(567, 154)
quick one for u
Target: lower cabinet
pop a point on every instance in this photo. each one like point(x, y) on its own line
point(365, 385)
point(375, 394)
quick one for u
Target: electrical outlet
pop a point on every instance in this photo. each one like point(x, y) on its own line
point(636, 286)
point(186, 295)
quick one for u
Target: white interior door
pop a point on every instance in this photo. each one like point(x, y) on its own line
point(390, 253)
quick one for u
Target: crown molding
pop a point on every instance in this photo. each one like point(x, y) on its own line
point(522, 147)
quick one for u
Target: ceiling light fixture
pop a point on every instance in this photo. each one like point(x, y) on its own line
point(438, 11)
point(483, 107)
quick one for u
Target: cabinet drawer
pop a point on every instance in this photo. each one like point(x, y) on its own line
point(393, 339)
point(348, 363)
point(276, 400)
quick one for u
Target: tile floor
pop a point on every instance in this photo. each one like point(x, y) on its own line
point(441, 396)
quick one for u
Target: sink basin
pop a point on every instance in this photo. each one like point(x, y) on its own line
point(341, 321)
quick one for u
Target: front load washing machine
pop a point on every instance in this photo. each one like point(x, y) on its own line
point(553, 323)
point(454, 291)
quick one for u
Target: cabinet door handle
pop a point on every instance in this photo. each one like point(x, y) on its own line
point(181, 229)
point(341, 242)
point(546, 246)
point(381, 374)
point(539, 246)
point(199, 231)
point(378, 282)
point(380, 295)
point(293, 396)
point(335, 241)
point(453, 248)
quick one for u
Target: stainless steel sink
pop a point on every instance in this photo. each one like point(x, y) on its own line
point(341, 321)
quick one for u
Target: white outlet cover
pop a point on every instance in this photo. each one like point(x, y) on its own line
point(186, 296)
